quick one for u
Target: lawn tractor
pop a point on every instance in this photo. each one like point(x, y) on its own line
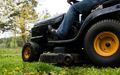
point(94, 38)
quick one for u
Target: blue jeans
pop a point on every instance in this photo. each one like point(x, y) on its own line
point(73, 13)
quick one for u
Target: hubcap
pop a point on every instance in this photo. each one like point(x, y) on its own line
point(27, 52)
point(106, 44)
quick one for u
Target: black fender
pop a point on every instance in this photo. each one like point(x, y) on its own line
point(94, 15)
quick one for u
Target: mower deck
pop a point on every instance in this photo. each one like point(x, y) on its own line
point(60, 58)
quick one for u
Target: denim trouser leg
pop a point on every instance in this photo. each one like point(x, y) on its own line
point(73, 13)
point(67, 22)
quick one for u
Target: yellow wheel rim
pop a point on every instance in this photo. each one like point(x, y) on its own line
point(106, 44)
point(27, 52)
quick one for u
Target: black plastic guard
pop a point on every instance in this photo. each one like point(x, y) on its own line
point(60, 58)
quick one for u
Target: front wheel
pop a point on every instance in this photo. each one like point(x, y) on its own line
point(31, 52)
point(102, 43)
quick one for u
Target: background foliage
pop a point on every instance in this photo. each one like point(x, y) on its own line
point(17, 16)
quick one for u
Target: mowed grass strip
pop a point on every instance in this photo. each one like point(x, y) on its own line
point(11, 64)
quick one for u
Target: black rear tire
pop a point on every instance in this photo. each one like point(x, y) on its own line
point(31, 52)
point(105, 50)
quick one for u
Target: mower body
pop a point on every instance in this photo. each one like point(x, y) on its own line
point(83, 43)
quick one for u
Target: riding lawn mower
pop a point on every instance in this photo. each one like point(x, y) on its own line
point(94, 38)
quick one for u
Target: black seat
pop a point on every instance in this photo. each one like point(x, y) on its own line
point(51, 20)
point(110, 3)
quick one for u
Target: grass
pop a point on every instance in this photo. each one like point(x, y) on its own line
point(12, 64)
point(86, 70)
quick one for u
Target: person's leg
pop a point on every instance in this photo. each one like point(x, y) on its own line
point(67, 22)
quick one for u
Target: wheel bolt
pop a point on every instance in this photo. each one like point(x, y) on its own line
point(107, 44)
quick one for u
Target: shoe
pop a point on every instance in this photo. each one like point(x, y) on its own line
point(53, 32)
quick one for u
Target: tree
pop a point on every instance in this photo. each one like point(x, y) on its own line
point(17, 15)
point(26, 15)
point(45, 15)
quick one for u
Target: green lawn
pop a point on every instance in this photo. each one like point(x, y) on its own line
point(12, 64)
